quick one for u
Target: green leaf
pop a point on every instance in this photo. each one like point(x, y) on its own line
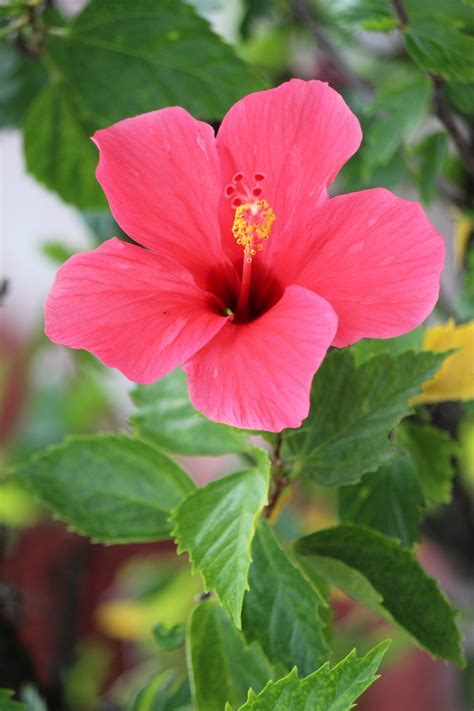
point(281, 608)
point(57, 148)
point(169, 691)
point(438, 46)
point(461, 96)
point(216, 525)
point(433, 450)
point(165, 415)
point(345, 578)
point(432, 151)
point(388, 500)
point(6, 704)
point(21, 78)
point(112, 488)
point(352, 413)
point(127, 58)
point(412, 598)
point(371, 15)
point(326, 689)
point(367, 348)
point(169, 638)
point(400, 109)
point(223, 667)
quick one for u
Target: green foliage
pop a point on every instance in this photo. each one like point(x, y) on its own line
point(6, 704)
point(216, 525)
point(388, 500)
point(21, 78)
point(326, 689)
point(432, 152)
point(282, 609)
point(438, 46)
point(401, 109)
point(169, 638)
point(367, 348)
point(433, 451)
point(412, 598)
point(352, 413)
point(167, 692)
point(223, 667)
point(113, 488)
point(346, 578)
point(126, 58)
point(166, 416)
point(57, 148)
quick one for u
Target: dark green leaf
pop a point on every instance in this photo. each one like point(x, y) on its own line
point(57, 148)
point(412, 598)
point(216, 525)
point(432, 152)
point(167, 692)
point(112, 488)
point(169, 638)
point(223, 667)
point(433, 451)
point(352, 413)
point(281, 608)
point(388, 500)
point(21, 78)
point(127, 58)
point(326, 689)
point(165, 415)
point(461, 96)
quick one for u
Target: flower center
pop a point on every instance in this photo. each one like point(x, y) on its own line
point(253, 215)
point(252, 225)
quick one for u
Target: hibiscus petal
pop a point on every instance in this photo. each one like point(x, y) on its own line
point(161, 176)
point(258, 375)
point(132, 309)
point(377, 260)
point(298, 136)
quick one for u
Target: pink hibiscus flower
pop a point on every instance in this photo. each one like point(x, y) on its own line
point(250, 271)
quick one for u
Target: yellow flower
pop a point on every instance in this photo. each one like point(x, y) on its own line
point(455, 379)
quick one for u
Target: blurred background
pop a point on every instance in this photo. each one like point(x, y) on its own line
point(76, 619)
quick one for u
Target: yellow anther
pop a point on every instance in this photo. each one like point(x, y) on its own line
point(252, 224)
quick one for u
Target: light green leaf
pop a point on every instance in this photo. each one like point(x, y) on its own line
point(461, 96)
point(168, 638)
point(326, 689)
point(440, 47)
point(412, 598)
point(126, 58)
point(282, 609)
point(58, 150)
point(168, 691)
point(216, 525)
point(368, 348)
point(6, 704)
point(388, 500)
point(222, 666)
point(352, 413)
point(166, 416)
point(112, 488)
point(433, 451)
point(432, 151)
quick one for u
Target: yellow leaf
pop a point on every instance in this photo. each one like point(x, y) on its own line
point(455, 379)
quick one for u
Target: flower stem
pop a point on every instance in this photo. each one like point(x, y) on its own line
point(279, 480)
